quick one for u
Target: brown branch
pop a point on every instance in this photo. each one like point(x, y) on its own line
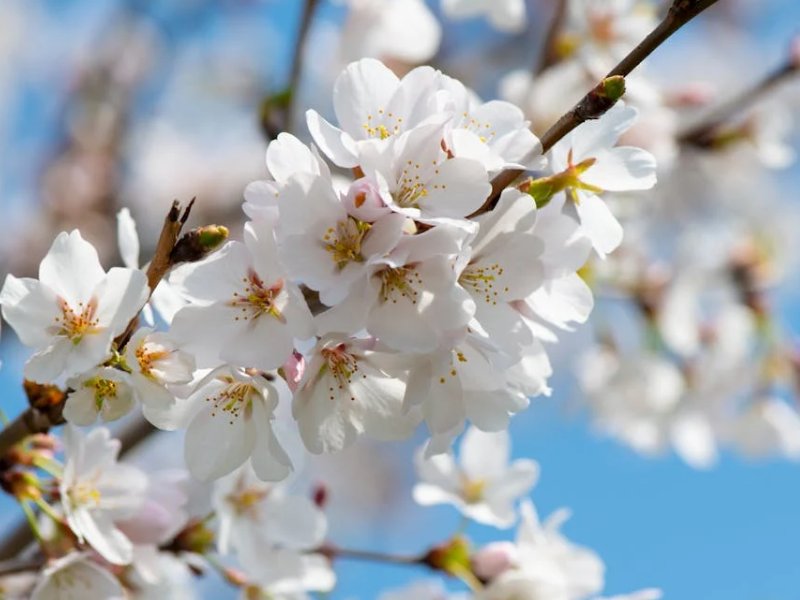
point(21, 565)
point(702, 133)
point(297, 61)
point(333, 552)
point(679, 14)
point(162, 259)
point(550, 54)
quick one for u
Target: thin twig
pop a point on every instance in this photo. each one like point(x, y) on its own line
point(297, 61)
point(333, 552)
point(549, 54)
point(20, 565)
point(162, 259)
point(702, 133)
point(679, 14)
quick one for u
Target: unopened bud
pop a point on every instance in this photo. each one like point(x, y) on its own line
point(452, 557)
point(198, 243)
point(44, 442)
point(22, 485)
point(612, 88)
point(493, 560)
point(195, 538)
point(364, 202)
point(235, 577)
point(794, 53)
point(293, 370)
point(321, 495)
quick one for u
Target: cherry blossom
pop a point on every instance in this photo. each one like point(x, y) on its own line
point(98, 492)
point(228, 419)
point(586, 163)
point(484, 486)
point(345, 392)
point(243, 300)
point(74, 311)
point(76, 577)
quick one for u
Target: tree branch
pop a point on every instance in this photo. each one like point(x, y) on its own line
point(702, 133)
point(297, 61)
point(679, 14)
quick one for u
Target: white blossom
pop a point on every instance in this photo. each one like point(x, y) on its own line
point(484, 486)
point(74, 311)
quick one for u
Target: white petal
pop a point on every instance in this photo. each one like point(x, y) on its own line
point(128, 239)
point(71, 268)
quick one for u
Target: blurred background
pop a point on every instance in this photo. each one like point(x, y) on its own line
point(113, 103)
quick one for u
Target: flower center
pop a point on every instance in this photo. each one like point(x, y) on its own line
point(257, 299)
point(85, 494)
point(146, 355)
point(400, 283)
point(246, 501)
point(382, 125)
point(472, 489)
point(481, 281)
point(104, 389)
point(233, 399)
point(482, 130)
point(411, 188)
point(342, 366)
point(344, 242)
point(75, 324)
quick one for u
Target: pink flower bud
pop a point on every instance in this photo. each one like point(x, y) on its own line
point(493, 560)
point(363, 201)
point(293, 369)
point(794, 52)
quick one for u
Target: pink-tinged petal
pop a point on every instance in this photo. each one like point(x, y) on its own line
point(484, 456)
point(121, 294)
point(71, 268)
point(623, 169)
point(30, 308)
point(599, 224)
point(216, 443)
point(127, 239)
point(334, 143)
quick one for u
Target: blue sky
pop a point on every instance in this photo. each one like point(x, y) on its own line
point(731, 533)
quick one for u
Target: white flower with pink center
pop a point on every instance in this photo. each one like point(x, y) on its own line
point(243, 301)
point(74, 311)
